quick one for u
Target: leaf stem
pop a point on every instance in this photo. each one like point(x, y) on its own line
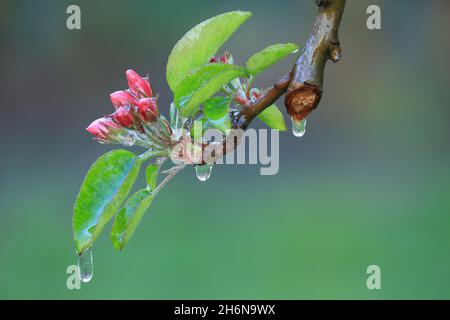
point(152, 154)
point(173, 171)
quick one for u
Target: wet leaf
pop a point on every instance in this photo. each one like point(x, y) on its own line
point(273, 117)
point(202, 84)
point(266, 58)
point(216, 107)
point(105, 187)
point(151, 174)
point(222, 124)
point(129, 217)
point(200, 43)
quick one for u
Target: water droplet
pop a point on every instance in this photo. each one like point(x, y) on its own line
point(203, 171)
point(299, 127)
point(85, 266)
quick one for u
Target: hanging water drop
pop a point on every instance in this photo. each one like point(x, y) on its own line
point(299, 127)
point(85, 266)
point(203, 171)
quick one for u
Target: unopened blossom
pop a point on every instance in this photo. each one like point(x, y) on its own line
point(147, 109)
point(122, 98)
point(124, 116)
point(254, 95)
point(242, 101)
point(104, 129)
point(139, 86)
point(226, 58)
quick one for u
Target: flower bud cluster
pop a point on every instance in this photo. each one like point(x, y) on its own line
point(136, 116)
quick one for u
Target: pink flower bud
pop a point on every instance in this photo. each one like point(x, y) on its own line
point(122, 98)
point(213, 60)
point(103, 129)
point(123, 116)
point(147, 109)
point(224, 59)
point(242, 101)
point(139, 85)
point(254, 95)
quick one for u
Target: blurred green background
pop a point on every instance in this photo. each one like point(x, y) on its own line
point(368, 184)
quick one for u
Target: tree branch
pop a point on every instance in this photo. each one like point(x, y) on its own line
point(304, 84)
point(246, 115)
point(305, 90)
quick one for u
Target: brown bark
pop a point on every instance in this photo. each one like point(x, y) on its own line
point(304, 84)
point(305, 90)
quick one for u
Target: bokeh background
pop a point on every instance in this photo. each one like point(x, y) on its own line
point(368, 184)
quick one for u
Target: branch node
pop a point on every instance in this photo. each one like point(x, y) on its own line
point(305, 89)
point(301, 101)
point(335, 53)
point(322, 3)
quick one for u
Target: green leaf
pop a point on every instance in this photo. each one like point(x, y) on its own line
point(196, 131)
point(105, 187)
point(216, 107)
point(201, 43)
point(173, 116)
point(264, 59)
point(129, 217)
point(273, 117)
point(151, 174)
point(222, 124)
point(202, 84)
